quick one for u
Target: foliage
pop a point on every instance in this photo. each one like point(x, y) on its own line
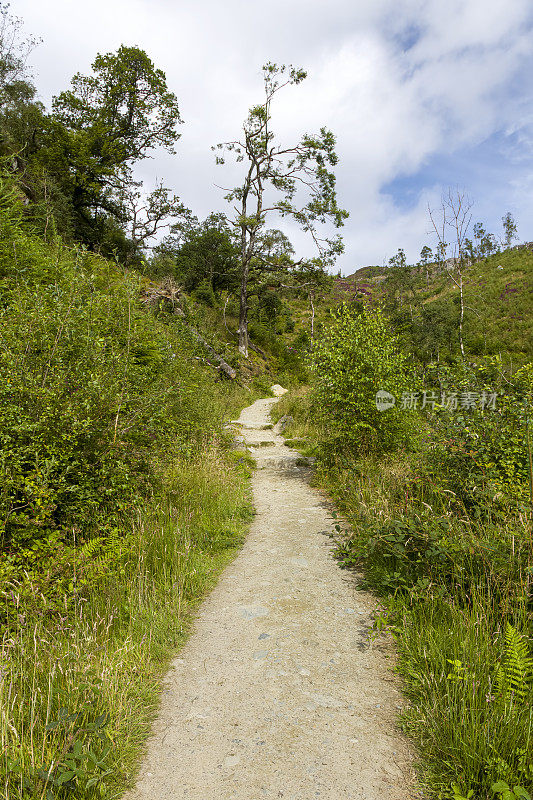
point(73, 165)
point(497, 300)
point(289, 171)
point(509, 229)
point(119, 505)
point(101, 126)
point(80, 686)
point(357, 356)
point(452, 583)
point(515, 672)
point(92, 387)
point(194, 253)
point(15, 83)
point(506, 793)
point(482, 454)
point(452, 567)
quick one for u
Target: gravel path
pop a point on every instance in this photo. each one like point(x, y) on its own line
point(277, 693)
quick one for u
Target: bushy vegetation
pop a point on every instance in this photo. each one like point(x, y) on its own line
point(441, 525)
point(357, 356)
point(119, 505)
point(80, 684)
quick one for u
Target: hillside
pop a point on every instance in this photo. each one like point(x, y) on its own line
point(498, 299)
point(121, 501)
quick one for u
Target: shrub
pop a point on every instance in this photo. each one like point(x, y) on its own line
point(94, 390)
point(358, 355)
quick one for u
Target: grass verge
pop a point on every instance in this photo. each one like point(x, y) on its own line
point(79, 689)
point(456, 592)
point(455, 582)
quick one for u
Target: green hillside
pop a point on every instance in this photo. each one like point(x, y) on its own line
point(439, 500)
point(121, 501)
point(498, 299)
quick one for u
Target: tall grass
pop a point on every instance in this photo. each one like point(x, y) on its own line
point(455, 584)
point(79, 689)
point(452, 586)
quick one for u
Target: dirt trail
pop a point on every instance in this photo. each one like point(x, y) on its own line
point(277, 693)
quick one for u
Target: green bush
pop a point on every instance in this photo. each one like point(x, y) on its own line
point(482, 455)
point(94, 391)
point(358, 355)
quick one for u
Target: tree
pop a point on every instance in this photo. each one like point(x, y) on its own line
point(400, 277)
point(486, 242)
point(426, 258)
point(15, 82)
point(293, 182)
point(454, 215)
point(144, 217)
point(21, 115)
point(200, 252)
point(509, 229)
point(101, 126)
point(398, 261)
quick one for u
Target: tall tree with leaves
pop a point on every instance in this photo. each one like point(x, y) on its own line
point(200, 252)
point(101, 127)
point(426, 258)
point(509, 229)
point(294, 182)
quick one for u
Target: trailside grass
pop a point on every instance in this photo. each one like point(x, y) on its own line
point(454, 583)
point(79, 689)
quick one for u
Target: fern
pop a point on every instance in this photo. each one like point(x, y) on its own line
point(514, 674)
point(101, 552)
point(91, 547)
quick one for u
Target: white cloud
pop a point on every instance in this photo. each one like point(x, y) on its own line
point(398, 81)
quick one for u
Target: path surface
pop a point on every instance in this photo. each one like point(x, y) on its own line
point(277, 694)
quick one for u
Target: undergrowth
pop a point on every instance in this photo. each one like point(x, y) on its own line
point(119, 504)
point(80, 686)
point(443, 541)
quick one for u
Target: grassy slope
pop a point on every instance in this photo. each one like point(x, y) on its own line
point(472, 727)
point(132, 504)
point(451, 583)
point(499, 303)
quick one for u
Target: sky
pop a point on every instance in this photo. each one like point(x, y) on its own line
point(422, 96)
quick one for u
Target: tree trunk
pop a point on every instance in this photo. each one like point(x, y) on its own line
point(461, 317)
point(438, 373)
point(222, 364)
point(243, 312)
point(312, 316)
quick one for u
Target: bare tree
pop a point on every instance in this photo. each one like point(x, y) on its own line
point(14, 53)
point(146, 216)
point(453, 216)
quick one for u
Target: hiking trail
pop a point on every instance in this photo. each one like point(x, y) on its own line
point(278, 692)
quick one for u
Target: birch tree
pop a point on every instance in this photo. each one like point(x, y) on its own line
point(454, 217)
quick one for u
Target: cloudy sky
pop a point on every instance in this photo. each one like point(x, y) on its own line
point(421, 94)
